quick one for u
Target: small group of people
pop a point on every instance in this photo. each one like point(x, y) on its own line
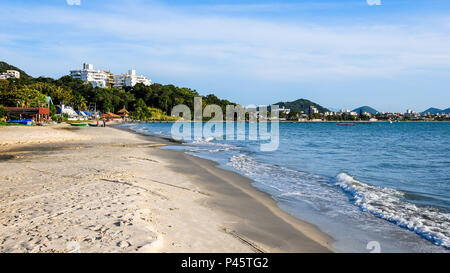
point(104, 123)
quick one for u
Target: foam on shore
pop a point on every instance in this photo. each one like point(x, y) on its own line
point(389, 204)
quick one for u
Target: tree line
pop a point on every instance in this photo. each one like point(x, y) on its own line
point(140, 100)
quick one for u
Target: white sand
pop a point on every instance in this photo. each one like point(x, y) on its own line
point(112, 191)
point(36, 135)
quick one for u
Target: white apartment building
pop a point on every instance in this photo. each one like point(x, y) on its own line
point(98, 78)
point(10, 74)
point(348, 112)
point(103, 79)
point(313, 110)
point(130, 79)
point(13, 74)
point(411, 114)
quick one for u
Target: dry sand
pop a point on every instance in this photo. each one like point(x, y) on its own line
point(36, 135)
point(108, 190)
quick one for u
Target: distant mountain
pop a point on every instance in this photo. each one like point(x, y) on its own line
point(366, 109)
point(301, 105)
point(5, 66)
point(436, 111)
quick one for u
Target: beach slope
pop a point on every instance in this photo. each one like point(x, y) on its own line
point(67, 189)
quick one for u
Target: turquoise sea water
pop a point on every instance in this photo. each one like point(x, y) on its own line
point(379, 182)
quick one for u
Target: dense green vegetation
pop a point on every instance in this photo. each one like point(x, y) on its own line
point(142, 101)
point(143, 113)
point(5, 66)
point(3, 112)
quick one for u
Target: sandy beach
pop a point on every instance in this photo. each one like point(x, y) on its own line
point(67, 189)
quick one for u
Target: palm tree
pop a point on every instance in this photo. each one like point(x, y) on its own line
point(81, 103)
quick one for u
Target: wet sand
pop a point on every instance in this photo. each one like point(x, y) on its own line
point(110, 190)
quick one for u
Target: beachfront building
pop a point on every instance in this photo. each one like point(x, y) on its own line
point(130, 79)
point(66, 110)
point(10, 74)
point(37, 114)
point(97, 78)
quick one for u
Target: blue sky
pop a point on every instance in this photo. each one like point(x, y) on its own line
point(339, 53)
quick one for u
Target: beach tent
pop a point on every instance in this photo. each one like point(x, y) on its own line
point(124, 113)
point(81, 113)
point(110, 115)
point(66, 110)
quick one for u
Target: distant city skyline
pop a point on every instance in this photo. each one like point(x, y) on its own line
point(392, 55)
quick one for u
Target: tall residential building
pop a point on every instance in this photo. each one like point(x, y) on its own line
point(10, 74)
point(98, 78)
point(13, 74)
point(313, 110)
point(103, 78)
point(130, 79)
point(110, 79)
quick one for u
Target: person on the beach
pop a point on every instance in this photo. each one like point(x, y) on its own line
point(104, 123)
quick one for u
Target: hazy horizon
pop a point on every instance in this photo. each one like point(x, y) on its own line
point(391, 55)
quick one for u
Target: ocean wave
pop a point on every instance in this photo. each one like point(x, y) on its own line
point(389, 204)
point(385, 203)
point(203, 140)
point(285, 181)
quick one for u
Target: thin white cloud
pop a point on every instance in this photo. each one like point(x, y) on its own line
point(374, 2)
point(261, 49)
point(73, 2)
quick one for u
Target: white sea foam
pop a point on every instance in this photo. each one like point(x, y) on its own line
point(203, 140)
point(209, 145)
point(381, 202)
point(284, 181)
point(389, 204)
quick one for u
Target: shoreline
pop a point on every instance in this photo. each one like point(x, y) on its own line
point(321, 121)
point(344, 242)
point(238, 184)
point(148, 200)
point(227, 200)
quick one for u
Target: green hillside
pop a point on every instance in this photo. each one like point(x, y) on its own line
point(366, 109)
point(5, 66)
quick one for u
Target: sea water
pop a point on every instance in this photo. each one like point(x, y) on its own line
point(378, 184)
